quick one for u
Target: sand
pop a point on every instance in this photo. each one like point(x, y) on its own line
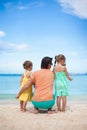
point(11, 118)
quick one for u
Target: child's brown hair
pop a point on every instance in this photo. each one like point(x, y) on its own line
point(27, 64)
point(58, 58)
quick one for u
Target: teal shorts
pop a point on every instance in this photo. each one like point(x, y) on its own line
point(44, 104)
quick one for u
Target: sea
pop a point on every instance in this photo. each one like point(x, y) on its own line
point(10, 86)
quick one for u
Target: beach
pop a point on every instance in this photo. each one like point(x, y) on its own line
point(11, 118)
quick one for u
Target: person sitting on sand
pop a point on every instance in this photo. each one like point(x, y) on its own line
point(43, 81)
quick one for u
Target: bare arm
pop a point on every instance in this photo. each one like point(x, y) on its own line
point(29, 75)
point(21, 79)
point(24, 88)
point(67, 74)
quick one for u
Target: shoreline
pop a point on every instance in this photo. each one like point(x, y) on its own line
point(75, 99)
point(16, 102)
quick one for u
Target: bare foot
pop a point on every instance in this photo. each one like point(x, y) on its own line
point(57, 111)
point(24, 110)
point(51, 111)
point(21, 109)
point(35, 111)
point(63, 110)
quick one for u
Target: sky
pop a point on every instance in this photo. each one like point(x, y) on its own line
point(33, 29)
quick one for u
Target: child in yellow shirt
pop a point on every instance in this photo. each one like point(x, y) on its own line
point(27, 94)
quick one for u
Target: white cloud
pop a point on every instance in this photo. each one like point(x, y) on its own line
point(18, 46)
point(76, 7)
point(29, 5)
point(36, 4)
point(21, 7)
point(11, 47)
point(2, 34)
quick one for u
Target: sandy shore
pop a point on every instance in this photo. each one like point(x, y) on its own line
point(11, 118)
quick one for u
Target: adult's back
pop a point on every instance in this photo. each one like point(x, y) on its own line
point(43, 80)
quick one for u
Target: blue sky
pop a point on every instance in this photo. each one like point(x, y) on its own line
point(32, 29)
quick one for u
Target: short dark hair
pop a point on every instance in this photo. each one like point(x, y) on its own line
point(45, 62)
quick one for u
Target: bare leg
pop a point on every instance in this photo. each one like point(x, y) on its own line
point(63, 103)
point(59, 103)
point(24, 106)
point(21, 105)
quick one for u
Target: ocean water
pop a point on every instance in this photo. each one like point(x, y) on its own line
point(10, 86)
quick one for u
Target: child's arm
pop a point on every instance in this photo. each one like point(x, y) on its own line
point(53, 70)
point(67, 74)
point(21, 79)
point(24, 88)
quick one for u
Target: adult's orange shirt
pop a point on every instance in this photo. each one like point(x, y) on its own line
point(43, 81)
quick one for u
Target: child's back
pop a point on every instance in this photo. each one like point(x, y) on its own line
point(27, 94)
